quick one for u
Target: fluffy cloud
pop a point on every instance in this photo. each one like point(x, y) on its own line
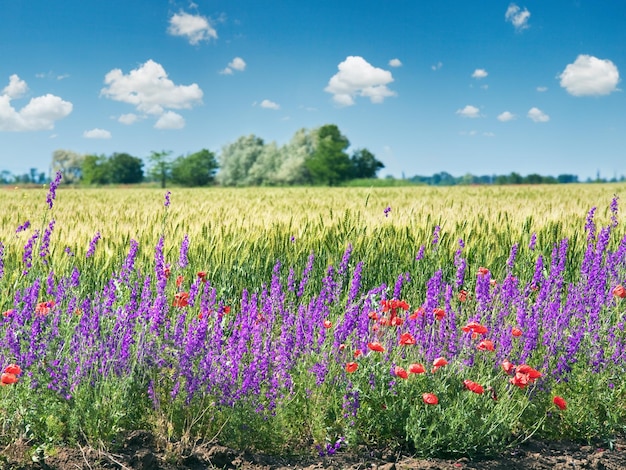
point(39, 114)
point(517, 17)
point(128, 119)
point(269, 104)
point(541, 89)
point(236, 64)
point(469, 111)
point(437, 66)
point(195, 28)
point(97, 134)
point(395, 63)
point(590, 76)
point(506, 116)
point(170, 120)
point(149, 89)
point(357, 77)
point(479, 73)
point(16, 87)
point(538, 115)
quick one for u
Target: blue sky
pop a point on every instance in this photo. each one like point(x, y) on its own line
point(483, 87)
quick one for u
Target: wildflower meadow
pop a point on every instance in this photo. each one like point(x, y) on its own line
point(441, 322)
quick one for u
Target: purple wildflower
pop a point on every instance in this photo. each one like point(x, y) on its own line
point(387, 211)
point(436, 234)
point(44, 249)
point(92, 245)
point(52, 193)
point(184, 249)
point(614, 208)
point(167, 199)
point(23, 227)
point(28, 251)
point(1, 260)
point(420, 253)
point(533, 242)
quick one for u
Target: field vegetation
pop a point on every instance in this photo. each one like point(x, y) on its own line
point(435, 320)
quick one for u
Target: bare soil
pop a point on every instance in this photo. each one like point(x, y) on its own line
point(139, 452)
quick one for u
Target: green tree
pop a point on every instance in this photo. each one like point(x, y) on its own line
point(237, 158)
point(160, 166)
point(329, 164)
point(197, 169)
point(95, 170)
point(125, 169)
point(69, 163)
point(365, 164)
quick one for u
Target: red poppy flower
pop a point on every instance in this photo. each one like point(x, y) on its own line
point(407, 338)
point(416, 368)
point(167, 271)
point(202, 276)
point(8, 379)
point(507, 366)
point(462, 295)
point(13, 369)
point(400, 372)
point(181, 299)
point(328, 324)
point(440, 362)
point(486, 345)
point(515, 331)
point(396, 321)
point(619, 291)
point(415, 315)
point(373, 316)
point(351, 367)
point(342, 347)
point(375, 346)
point(358, 353)
point(226, 309)
point(43, 308)
point(524, 375)
point(8, 313)
point(475, 328)
point(493, 282)
point(560, 402)
point(430, 398)
point(439, 313)
point(483, 271)
point(179, 280)
point(473, 387)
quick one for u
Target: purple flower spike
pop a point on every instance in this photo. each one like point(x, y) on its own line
point(52, 193)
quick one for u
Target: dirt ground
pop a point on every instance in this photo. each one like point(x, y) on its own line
point(140, 453)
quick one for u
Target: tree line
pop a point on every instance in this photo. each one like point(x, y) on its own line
point(312, 157)
point(317, 157)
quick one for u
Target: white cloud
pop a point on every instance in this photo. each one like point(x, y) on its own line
point(236, 64)
point(269, 104)
point(517, 17)
point(97, 134)
point(149, 89)
point(541, 89)
point(40, 113)
point(469, 111)
point(128, 119)
point(479, 73)
point(195, 28)
point(395, 63)
point(538, 115)
point(170, 120)
point(357, 77)
point(506, 116)
point(489, 134)
point(590, 76)
point(16, 87)
point(437, 66)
